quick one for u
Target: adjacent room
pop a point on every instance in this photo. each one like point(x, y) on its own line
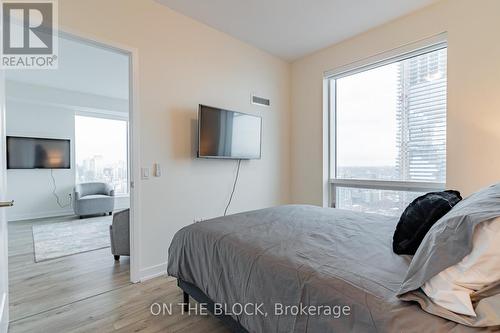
point(250, 166)
point(68, 175)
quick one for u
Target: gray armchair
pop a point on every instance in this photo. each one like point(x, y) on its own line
point(93, 198)
point(119, 234)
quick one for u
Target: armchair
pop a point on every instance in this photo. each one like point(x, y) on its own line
point(93, 198)
point(119, 234)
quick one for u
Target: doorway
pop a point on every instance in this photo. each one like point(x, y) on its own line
point(57, 253)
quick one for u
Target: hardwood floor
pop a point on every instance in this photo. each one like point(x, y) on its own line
point(36, 287)
point(126, 309)
point(88, 292)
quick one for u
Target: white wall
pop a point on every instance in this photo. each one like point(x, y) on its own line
point(31, 189)
point(473, 119)
point(39, 111)
point(183, 63)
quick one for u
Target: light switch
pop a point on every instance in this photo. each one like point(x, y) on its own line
point(157, 170)
point(145, 173)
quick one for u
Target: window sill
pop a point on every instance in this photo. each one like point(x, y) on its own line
point(388, 184)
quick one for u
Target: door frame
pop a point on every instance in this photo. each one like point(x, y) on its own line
point(134, 139)
point(4, 247)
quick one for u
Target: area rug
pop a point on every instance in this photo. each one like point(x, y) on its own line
point(55, 240)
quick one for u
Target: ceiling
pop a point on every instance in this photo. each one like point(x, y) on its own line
point(291, 29)
point(83, 67)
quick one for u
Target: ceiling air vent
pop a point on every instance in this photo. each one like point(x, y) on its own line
point(260, 101)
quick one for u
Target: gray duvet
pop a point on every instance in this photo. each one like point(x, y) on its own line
point(337, 265)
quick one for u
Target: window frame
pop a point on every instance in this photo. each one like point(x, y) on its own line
point(435, 43)
point(109, 115)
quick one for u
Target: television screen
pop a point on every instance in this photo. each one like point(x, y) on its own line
point(228, 134)
point(37, 153)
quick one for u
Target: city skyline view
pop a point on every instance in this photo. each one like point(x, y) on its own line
point(101, 152)
point(391, 126)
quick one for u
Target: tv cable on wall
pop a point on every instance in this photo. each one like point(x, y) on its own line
point(234, 187)
point(54, 192)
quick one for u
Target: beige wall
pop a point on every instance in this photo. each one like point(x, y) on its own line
point(183, 63)
point(473, 138)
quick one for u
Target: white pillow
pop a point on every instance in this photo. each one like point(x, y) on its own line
point(452, 287)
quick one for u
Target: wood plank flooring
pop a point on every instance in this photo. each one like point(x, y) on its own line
point(124, 310)
point(88, 292)
point(36, 287)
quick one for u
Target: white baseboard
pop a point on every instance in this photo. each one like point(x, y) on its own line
point(4, 315)
point(38, 215)
point(120, 204)
point(153, 271)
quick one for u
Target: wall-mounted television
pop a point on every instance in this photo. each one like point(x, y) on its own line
point(38, 153)
point(228, 134)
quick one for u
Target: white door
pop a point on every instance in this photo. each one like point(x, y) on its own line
point(4, 279)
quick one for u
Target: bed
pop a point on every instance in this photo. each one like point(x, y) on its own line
point(301, 257)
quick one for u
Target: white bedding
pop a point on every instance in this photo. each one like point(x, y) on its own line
point(452, 287)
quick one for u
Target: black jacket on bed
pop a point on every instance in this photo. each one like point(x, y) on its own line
point(419, 217)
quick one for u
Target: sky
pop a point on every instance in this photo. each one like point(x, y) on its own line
point(366, 117)
point(99, 136)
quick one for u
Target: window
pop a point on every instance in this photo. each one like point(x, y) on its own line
point(388, 132)
point(101, 151)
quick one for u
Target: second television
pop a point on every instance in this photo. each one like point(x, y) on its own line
point(38, 153)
